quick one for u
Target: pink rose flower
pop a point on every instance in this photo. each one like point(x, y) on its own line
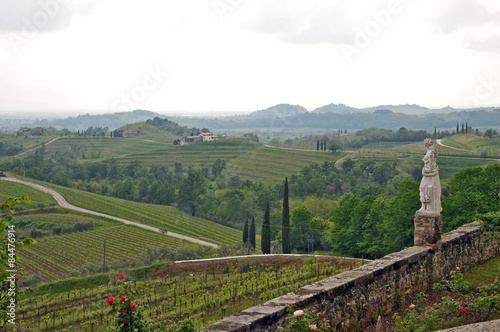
point(412, 306)
point(313, 327)
point(298, 313)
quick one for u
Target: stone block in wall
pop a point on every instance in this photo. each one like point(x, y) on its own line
point(428, 229)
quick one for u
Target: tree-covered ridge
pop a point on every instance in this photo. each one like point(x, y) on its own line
point(296, 117)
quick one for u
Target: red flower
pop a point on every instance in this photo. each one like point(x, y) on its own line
point(126, 321)
point(480, 284)
point(324, 320)
point(122, 299)
point(424, 314)
point(463, 311)
point(126, 299)
point(121, 276)
point(133, 306)
point(465, 304)
point(125, 313)
point(496, 277)
point(495, 292)
point(457, 268)
point(110, 300)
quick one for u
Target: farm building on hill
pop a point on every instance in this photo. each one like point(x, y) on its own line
point(132, 133)
point(203, 137)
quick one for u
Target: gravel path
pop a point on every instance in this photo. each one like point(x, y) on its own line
point(63, 203)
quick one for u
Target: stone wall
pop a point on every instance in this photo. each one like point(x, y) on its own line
point(354, 299)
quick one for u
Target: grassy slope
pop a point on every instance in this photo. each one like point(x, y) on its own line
point(160, 216)
point(9, 189)
point(27, 143)
point(246, 159)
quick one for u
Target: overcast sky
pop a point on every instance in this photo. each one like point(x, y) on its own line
point(243, 55)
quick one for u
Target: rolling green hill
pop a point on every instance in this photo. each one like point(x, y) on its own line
point(246, 159)
point(161, 216)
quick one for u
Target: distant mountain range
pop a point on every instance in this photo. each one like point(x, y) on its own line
point(332, 116)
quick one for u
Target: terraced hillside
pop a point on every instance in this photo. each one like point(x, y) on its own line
point(161, 216)
point(55, 255)
point(246, 159)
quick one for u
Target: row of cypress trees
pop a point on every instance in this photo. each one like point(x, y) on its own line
point(266, 226)
point(249, 234)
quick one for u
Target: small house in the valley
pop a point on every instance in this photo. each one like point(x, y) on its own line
point(203, 137)
point(23, 132)
point(132, 133)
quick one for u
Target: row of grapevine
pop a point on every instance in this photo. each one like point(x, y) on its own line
point(53, 256)
point(205, 298)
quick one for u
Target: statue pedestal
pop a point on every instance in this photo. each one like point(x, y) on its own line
point(428, 228)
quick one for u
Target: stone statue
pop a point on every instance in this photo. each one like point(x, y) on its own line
point(430, 187)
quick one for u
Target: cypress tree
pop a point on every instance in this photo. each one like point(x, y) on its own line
point(245, 232)
point(252, 232)
point(265, 240)
point(435, 133)
point(466, 127)
point(457, 128)
point(462, 128)
point(285, 223)
point(317, 145)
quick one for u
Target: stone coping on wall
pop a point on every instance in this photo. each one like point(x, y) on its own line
point(491, 326)
point(354, 298)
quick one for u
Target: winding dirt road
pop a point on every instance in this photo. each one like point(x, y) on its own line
point(440, 142)
point(63, 203)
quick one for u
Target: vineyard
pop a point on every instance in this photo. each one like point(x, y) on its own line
point(161, 216)
point(204, 298)
point(55, 255)
point(11, 189)
point(246, 159)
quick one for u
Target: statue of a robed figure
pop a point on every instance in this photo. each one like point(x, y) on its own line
point(430, 187)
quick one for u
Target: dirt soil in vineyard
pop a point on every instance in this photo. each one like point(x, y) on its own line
point(280, 261)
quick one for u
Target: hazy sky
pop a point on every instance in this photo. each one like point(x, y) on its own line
point(243, 55)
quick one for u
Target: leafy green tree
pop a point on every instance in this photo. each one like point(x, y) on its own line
point(285, 221)
point(178, 168)
point(191, 192)
point(301, 228)
point(335, 147)
point(218, 166)
point(490, 133)
point(347, 165)
point(252, 232)
point(472, 192)
point(398, 217)
point(265, 240)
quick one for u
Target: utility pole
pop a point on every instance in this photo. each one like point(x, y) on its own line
point(104, 263)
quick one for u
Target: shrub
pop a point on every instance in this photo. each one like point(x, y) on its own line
point(248, 264)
